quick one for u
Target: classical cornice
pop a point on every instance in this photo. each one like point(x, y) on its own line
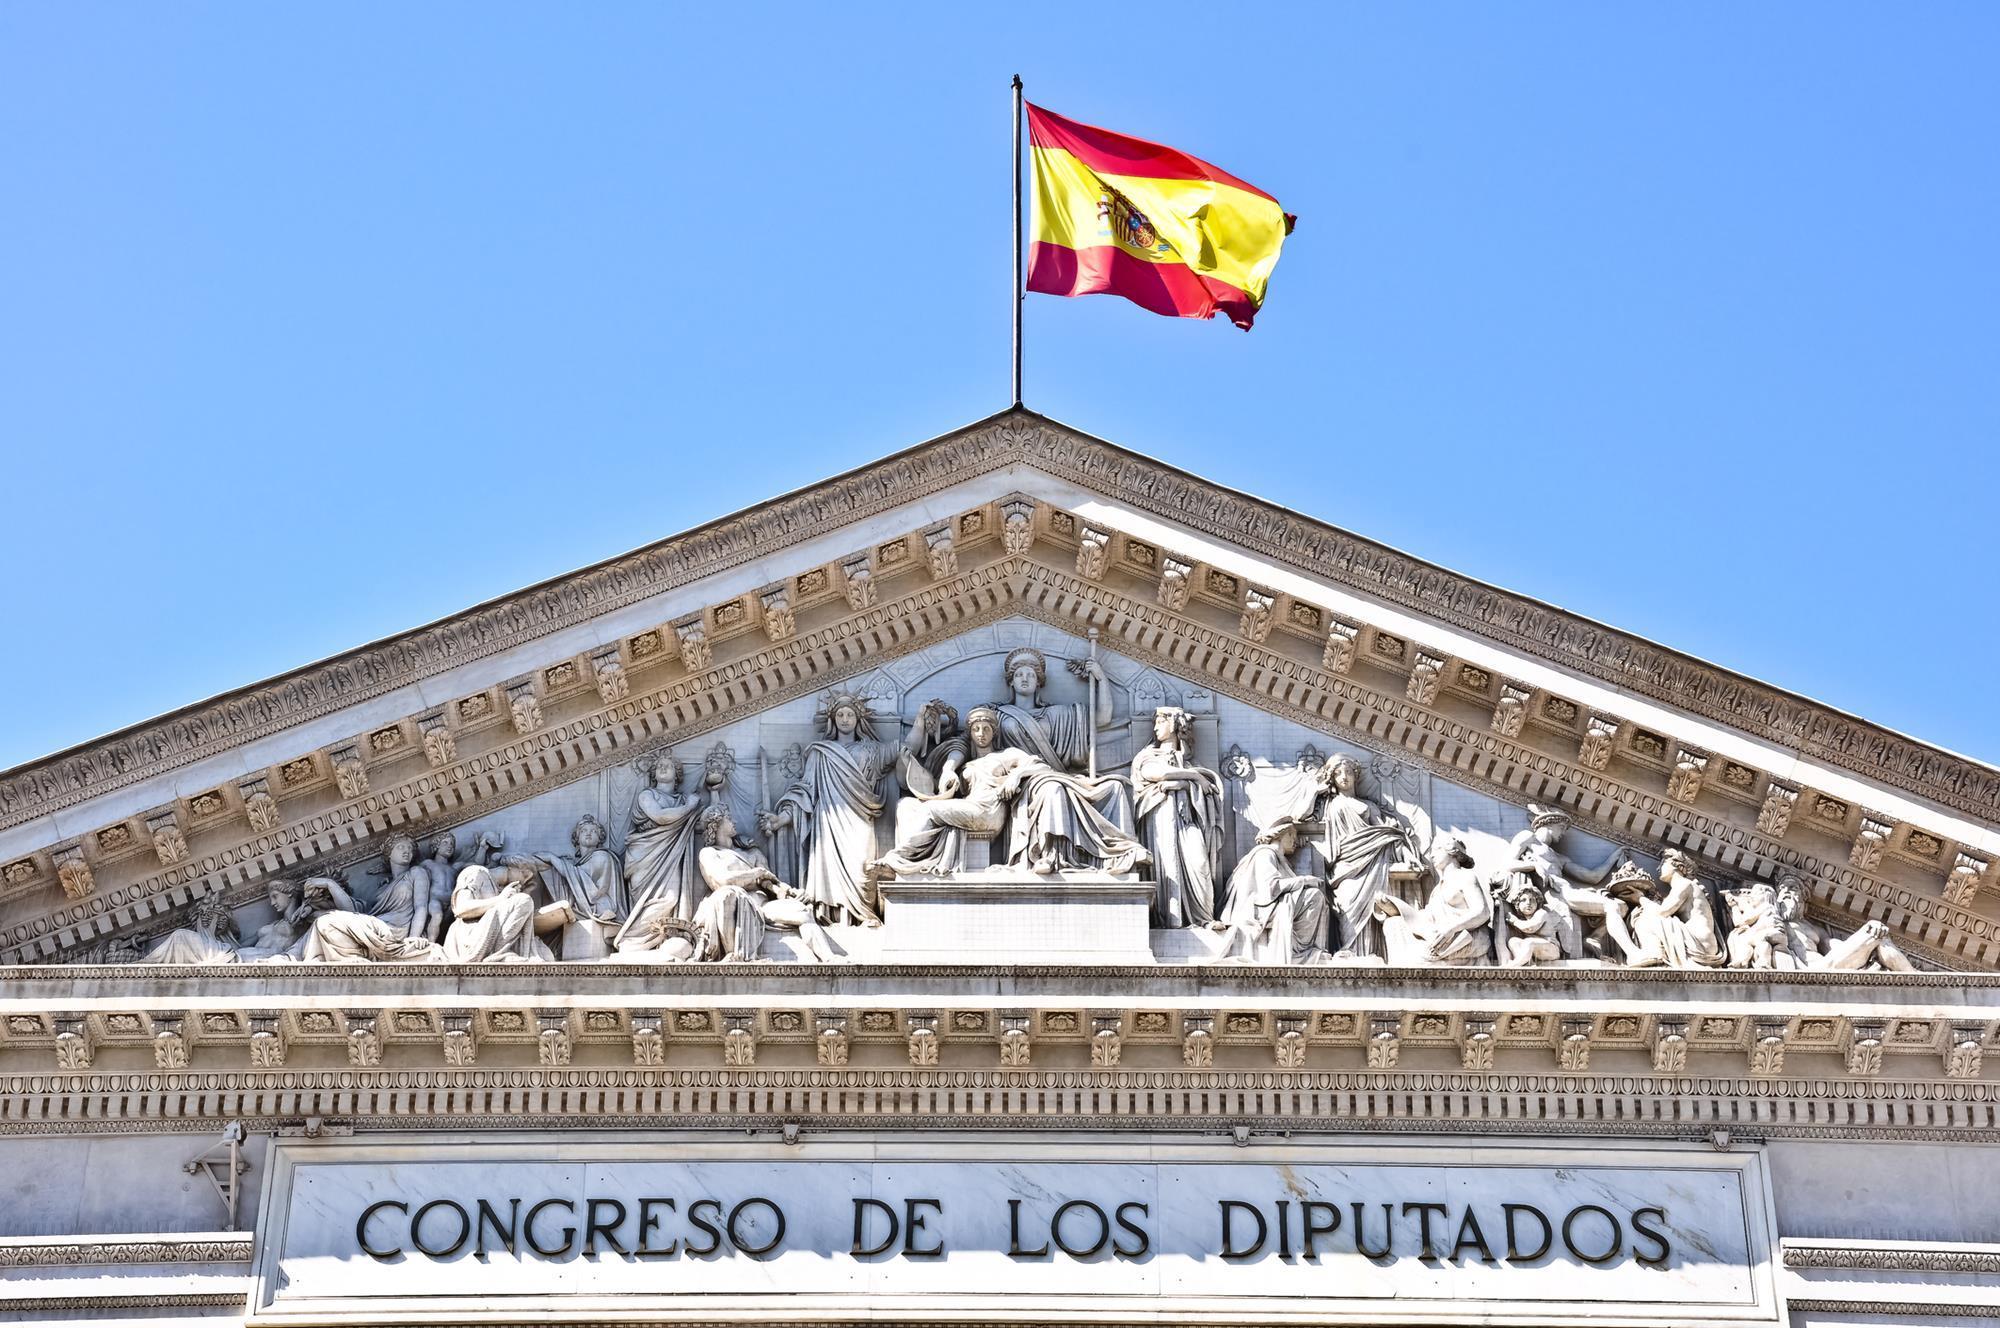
point(1283, 673)
point(1512, 621)
point(76, 1251)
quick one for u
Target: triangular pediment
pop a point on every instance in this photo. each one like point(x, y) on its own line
point(1295, 639)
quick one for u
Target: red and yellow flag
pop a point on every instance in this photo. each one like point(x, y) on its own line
point(1120, 216)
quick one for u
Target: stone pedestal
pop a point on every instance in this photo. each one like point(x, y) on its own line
point(1011, 916)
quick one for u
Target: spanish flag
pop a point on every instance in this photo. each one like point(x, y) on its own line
point(1120, 216)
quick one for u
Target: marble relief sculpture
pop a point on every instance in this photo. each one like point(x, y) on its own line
point(349, 933)
point(934, 842)
point(1367, 847)
point(1525, 931)
point(1674, 924)
point(1178, 805)
point(212, 936)
point(744, 898)
point(1455, 924)
point(822, 831)
point(591, 881)
point(494, 917)
point(1569, 888)
point(1273, 914)
point(661, 882)
point(1807, 945)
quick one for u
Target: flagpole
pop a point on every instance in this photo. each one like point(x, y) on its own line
point(1019, 295)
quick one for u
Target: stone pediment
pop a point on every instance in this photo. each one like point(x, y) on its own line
point(872, 578)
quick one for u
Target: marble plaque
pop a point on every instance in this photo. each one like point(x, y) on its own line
point(554, 1228)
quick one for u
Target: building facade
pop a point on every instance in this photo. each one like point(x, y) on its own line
point(1012, 882)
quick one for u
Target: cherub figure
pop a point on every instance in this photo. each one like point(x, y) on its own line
point(1530, 925)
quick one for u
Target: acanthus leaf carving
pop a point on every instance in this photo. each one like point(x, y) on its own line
point(1774, 818)
point(1599, 738)
point(608, 669)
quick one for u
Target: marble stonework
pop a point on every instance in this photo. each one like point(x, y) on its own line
point(988, 1229)
point(1015, 820)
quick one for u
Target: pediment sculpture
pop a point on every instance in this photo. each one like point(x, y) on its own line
point(1299, 859)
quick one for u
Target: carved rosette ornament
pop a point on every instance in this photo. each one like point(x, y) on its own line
point(696, 654)
point(348, 773)
point(1017, 526)
point(1684, 784)
point(941, 553)
point(259, 806)
point(1511, 711)
point(1093, 552)
point(73, 871)
point(440, 747)
point(1422, 686)
point(608, 670)
point(1774, 818)
point(1258, 614)
point(168, 842)
point(1600, 736)
point(780, 624)
point(1175, 582)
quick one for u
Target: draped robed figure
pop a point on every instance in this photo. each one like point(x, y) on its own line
point(662, 883)
point(822, 831)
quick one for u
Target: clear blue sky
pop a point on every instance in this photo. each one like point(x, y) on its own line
point(318, 323)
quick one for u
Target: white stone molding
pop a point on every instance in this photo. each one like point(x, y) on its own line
point(649, 1038)
point(1093, 553)
point(1599, 741)
point(922, 1043)
point(1864, 1047)
point(607, 668)
point(1670, 1046)
point(1869, 840)
point(553, 1045)
point(739, 1037)
point(1964, 1052)
point(1337, 656)
point(858, 584)
point(830, 1044)
point(1198, 1039)
point(267, 1040)
point(1425, 674)
point(73, 1041)
point(440, 747)
point(1385, 1042)
point(1968, 874)
point(691, 638)
point(73, 871)
point(169, 841)
point(170, 1044)
point(780, 623)
point(1016, 1046)
point(941, 552)
point(1176, 577)
point(1510, 712)
point(111, 1251)
point(1106, 1041)
point(259, 806)
point(1259, 612)
point(1684, 782)
point(349, 774)
point(1573, 1046)
point(1290, 1046)
point(1774, 818)
point(1017, 526)
point(523, 706)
